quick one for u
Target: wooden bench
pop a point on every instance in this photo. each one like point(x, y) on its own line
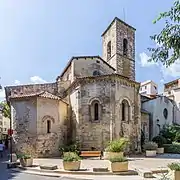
point(91, 154)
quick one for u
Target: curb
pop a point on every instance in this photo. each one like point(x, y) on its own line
point(146, 173)
point(59, 173)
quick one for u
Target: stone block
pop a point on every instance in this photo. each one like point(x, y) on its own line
point(49, 167)
point(100, 170)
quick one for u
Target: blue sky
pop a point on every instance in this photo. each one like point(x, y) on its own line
point(38, 37)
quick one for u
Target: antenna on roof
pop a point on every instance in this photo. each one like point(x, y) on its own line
point(124, 15)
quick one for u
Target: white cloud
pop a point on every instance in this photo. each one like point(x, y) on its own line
point(144, 60)
point(173, 70)
point(162, 81)
point(37, 80)
point(2, 94)
point(17, 82)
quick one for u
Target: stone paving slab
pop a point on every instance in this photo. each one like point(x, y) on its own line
point(153, 164)
point(83, 177)
point(145, 167)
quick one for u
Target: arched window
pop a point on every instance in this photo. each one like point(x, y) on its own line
point(95, 108)
point(165, 113)
point(108, 50)
point(96, 73)
point(96, 111)
point(125, 47)
point(48, 126)
point(125, 110)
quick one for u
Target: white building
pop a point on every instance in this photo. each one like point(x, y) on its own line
point(1, 124)
point(148, 88)
point(172, 91)
point(6, 125)
point(162, 111)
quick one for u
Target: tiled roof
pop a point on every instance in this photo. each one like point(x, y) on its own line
point(43, 94)
point(109, 75)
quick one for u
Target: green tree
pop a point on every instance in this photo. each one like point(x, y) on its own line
point(168, 40)
point(5, 109)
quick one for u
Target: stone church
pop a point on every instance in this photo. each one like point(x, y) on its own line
point(94, 100)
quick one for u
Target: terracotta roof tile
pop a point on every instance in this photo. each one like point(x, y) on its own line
point(44, 94)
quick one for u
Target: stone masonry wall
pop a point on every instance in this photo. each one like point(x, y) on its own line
point(30, 126)
point(86, 66)
point(131, 128)
point(124, 65)
point(91, 133)
point(110, 94)
point(24, 115)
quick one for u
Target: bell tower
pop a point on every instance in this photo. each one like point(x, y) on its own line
point(119, 47)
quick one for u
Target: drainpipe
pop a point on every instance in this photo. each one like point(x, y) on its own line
point(10, 134)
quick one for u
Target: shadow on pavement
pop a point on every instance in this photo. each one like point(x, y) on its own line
point(6, 174)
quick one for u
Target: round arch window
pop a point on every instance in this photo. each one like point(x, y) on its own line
point(96, 73)
point(165, 113)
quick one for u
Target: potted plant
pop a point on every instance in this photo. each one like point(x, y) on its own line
point(71, 147)
point(174, 170)
point(116, 148)
point(25, 160)
point(71, 161)
point(118, 164)
point(150, 148)
point(160, 141)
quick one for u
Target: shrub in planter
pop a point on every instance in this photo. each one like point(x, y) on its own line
point(159, 140)
point(72, 147)
point(172, 148)
point(177, 138)
point(116, 148)
point(175, 170)
point(71, 161)
point(150, 148)
point(25, 160)
point(118, 164)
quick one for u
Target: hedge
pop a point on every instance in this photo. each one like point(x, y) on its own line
point(172, 148)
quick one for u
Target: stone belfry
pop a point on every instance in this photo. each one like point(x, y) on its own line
point(119, 47)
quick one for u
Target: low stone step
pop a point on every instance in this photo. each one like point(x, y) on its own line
point(100, 170)
point(49, 167)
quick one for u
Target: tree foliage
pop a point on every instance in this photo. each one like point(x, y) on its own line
point(5, 109)
point(167, 50)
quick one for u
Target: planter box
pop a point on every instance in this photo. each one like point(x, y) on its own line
point(119, 166)
point(160, 150)
point(26, 162)
point(14, 157)
point(111, 154)
point(150, 153)
point(175, 175)
point(71, 166)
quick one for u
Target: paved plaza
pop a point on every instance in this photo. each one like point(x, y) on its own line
point(150, 164)
point(158, 163)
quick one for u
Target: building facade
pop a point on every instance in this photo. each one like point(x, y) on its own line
point(1, 125)
point(93, 101)
point(172, 91)
point(148, 88)
point(162, 111)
